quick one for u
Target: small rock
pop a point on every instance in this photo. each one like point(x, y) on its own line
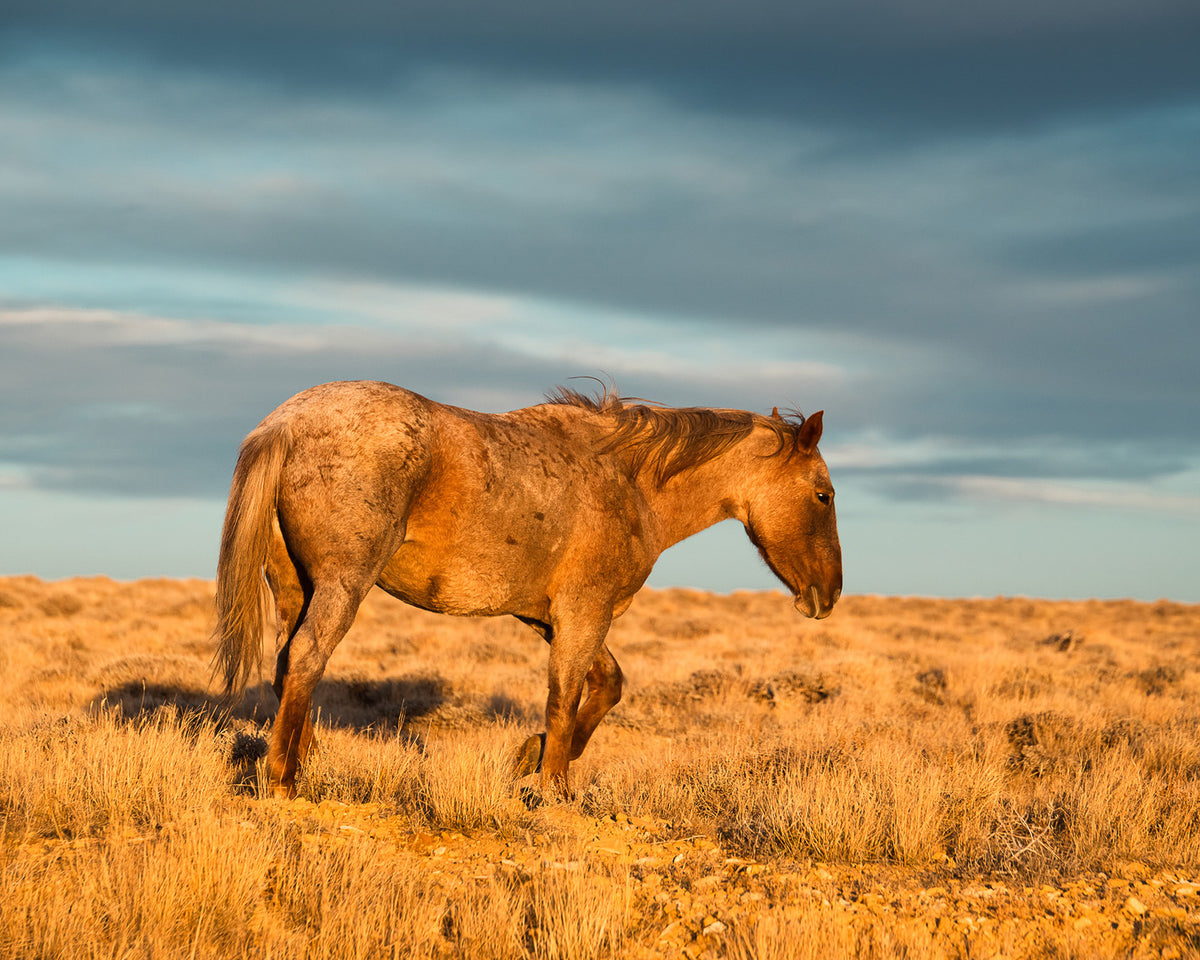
point(1135, 906)
point(715, 927)
point(670, 930)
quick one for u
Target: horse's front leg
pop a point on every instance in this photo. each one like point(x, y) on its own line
point(573, 650)
point(604, 681)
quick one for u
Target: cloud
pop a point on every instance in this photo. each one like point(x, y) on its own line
point(1081, 494)
point(1023, 256)
point(103, 401)
point(965, 230)
point(108, 402)
point(144, 405)
point(891, 70)
point(1074, 494)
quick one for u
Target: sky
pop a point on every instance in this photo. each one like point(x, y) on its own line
point(968, 232)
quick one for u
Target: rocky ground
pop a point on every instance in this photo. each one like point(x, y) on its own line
point(690, 897)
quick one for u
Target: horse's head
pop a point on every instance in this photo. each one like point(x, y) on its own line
point(791, 519)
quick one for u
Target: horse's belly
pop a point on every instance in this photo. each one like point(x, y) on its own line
point(460, 588)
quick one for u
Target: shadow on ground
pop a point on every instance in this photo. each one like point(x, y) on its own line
point(380, 705)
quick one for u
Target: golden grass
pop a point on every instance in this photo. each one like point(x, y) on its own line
point(1023, 740)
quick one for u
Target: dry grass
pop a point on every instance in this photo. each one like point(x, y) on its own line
point(1022, 740)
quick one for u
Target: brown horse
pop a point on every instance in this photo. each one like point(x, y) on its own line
point(554, 514)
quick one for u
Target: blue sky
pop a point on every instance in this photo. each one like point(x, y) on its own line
point(970, 233)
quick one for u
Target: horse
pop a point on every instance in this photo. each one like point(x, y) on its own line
point(554, 514)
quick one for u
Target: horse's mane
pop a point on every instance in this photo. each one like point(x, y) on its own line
point(669, 440)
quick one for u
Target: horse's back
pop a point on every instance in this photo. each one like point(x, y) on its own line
point(475, 510)
point(369, 402)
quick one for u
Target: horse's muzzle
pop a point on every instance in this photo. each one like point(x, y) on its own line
point(811, 604)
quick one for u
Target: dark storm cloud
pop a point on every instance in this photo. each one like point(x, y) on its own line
point(1034, 328)
point(1001, 199)
point(1159, 244)
point(893, 69)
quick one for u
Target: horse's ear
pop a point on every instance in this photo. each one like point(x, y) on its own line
point(775, 414)
point(810, 432)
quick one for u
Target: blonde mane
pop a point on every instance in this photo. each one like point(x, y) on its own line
point(666, 441)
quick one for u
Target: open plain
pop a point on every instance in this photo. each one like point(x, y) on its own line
point(911, 777)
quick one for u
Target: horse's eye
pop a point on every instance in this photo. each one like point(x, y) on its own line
point(824, 498)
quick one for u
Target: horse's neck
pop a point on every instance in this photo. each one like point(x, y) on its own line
point(696, 499)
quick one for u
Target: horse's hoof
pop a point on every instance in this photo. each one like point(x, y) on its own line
point(553, 793)
point(279, 787)
point(528, 758)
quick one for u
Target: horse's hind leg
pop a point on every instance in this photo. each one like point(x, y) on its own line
point(329, 615)
point(603, 693)
point(292, 593)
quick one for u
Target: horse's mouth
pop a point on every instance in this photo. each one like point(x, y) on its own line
point(810, 604)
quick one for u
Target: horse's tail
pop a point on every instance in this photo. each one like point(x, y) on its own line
point(241, 587)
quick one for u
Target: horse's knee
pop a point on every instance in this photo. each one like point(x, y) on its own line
point(306, 655)
point(300, 663)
